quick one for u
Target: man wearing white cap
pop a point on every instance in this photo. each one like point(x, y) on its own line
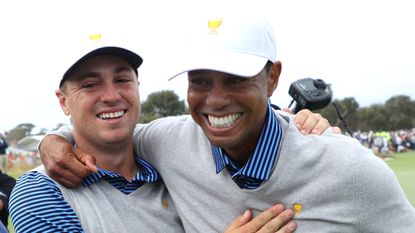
point(238, 153)
point(248, 156)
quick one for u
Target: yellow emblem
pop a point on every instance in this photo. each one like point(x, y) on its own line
point(95, 37)
point(298, 208)
point(213, 24)
point(165, 203)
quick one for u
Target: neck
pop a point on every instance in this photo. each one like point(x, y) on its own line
point(241, 155)
point(241, 152)
point(117, 157)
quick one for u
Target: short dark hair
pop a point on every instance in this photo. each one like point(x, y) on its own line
point(268, 66)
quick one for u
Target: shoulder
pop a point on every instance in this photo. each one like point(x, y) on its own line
point(165, 127)
point(170, 120)
point(37, 202)
point(32, 187)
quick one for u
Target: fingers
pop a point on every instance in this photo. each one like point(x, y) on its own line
point(288, 228)
point(305, 120)
point(87, 160)
point(65, 178)
point(276, 224)
point(336, 130)
point(274, 219)
point(67, 169)
point(308, 122)
point(240, 221)
point(287, 110)
point(319, 127)
point(60, 161)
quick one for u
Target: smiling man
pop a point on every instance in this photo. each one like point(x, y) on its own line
point(246, 155)
point(100, 93)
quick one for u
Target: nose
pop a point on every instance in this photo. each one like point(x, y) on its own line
point(217, 97)
point(110, 94)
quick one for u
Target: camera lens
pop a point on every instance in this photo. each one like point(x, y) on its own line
point(319, 83)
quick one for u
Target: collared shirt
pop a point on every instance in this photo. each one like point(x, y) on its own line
point(37, 204)
point(259, 166)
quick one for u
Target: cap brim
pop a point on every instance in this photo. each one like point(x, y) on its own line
point(134, 59)
point(239, 64)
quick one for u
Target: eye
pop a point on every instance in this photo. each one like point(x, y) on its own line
point(199, 81)
point(123, 80)
point(235, 80)
point(89, 85)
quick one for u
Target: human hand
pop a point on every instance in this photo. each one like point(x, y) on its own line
point(275, 219)
point(64, 164)
point(308, 122)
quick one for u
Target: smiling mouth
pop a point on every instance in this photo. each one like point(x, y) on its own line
point(111, 115)
point(223, 122)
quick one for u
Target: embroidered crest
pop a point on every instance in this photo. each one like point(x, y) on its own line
point(165, 203)
point(298, 208)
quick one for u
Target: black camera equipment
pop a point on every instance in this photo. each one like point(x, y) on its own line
point(310, 94)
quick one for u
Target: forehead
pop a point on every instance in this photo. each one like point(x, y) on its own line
point(103, 61)
point(212, 74)
point(94, 65)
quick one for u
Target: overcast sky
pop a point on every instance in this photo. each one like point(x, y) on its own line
point(365, 49)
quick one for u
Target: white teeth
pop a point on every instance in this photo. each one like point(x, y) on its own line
point(111, 115)
point(222, 122)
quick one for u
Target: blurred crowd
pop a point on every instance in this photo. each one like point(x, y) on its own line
point(386, 142)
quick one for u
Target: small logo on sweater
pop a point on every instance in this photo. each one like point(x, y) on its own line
point(165, 203)
point(298, 208)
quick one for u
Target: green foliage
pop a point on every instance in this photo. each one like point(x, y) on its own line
point(398, 112)
point(161, 104)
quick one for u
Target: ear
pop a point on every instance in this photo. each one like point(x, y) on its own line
point(62, 101)
point(273, 77)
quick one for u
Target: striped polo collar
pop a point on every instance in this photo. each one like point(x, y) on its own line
point(259, 165)
point(145, 173)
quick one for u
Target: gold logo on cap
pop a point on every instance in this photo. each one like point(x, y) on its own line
point(298, 208)
point(95, 37)
point(213, 24)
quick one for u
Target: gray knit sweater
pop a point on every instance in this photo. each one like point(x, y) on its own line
point(340, 185)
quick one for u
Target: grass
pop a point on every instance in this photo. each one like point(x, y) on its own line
point(403, 164)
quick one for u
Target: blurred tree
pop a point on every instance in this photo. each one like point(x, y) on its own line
point(161, 104)
point(373, 118)
point(348, 111)
point(400, 112)
point(19, 132)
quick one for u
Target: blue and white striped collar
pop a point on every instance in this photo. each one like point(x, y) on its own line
point(259, 165)
point(145, 173)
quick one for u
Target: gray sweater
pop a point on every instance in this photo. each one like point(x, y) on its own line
point(102, 208)
point(340, 185)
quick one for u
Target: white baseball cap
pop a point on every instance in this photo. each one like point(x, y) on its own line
point(235, 44)
point(96, 46)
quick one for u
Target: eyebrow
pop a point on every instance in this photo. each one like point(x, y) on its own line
point(93, 74)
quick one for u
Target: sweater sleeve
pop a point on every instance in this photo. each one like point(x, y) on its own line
point(37, 205)
point(64, 132)
point(381, 203)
